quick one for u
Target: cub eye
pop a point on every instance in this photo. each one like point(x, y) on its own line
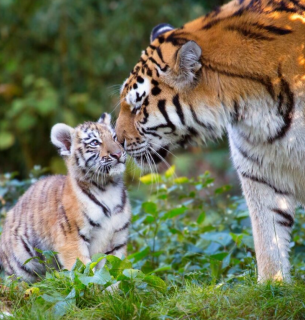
point(94, 143)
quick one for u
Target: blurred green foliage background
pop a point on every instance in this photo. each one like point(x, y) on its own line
point(64, 61)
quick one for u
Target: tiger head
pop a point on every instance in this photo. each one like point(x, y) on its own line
point(90, 150)
point(153, 116)
point(191, 83)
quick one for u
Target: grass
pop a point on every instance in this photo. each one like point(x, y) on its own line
point(193, 300)
point(238, 301)
point(191, 257)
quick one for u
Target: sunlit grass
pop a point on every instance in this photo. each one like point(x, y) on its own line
point(244, 299)
point(191, 257)
point(235, 301)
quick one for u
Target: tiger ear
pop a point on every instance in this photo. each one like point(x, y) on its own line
point(61, 137)
point(188, 61)
point(160, 29)
point(105, 118)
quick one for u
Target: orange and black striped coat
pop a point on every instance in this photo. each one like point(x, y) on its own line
point(77, 215)
point(239, 70)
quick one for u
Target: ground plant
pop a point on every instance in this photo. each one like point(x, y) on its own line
point(191, 256)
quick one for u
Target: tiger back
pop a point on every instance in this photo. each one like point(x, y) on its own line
point(77, 215)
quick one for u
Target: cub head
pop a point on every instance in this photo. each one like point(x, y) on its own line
point(90, 150)
point(151, 118)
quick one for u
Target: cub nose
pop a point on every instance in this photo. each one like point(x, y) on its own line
point(117, 154)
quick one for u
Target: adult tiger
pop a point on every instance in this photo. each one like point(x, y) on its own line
point(240, 69)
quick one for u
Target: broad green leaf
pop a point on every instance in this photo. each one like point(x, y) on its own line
point(78, 265)
point(223, 189)
point(101, 276)
point(137, 256)
point(147, 267)
point(156, 283)
point(175, 231)
point(7, 139)
point(150, 218)
point(164, 268)
point(181, 180)
point(61, 308)
point(226, 261)
point(98, 257)
point(191, 248)
point(215, 266)
point(170, 172)
point(220, 237)
point(248, 241)
point(219, 256)
point(201, 217)
point(118, 265)
point(149, 207)
point(52, 299)
point(207, 229)
point(234, 261)
point(71, 295)
point(174, 212)
point(242, 215)
point(150, 178)
point(157, 253)
point(133, 274)
point(237, 238)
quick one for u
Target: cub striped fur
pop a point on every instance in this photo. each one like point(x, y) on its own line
point(78, 215)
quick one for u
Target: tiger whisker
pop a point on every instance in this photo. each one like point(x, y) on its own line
point(141, 167)
point(119, 102)
point(150, 142)
point(114, 89)
point(156, 172)
point(160, 157)
point(148, 162)
point(133, 166)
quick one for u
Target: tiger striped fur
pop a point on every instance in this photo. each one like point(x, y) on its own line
point(77, 215)
point(240, 69)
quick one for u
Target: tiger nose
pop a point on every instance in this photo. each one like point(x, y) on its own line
point(117, 155)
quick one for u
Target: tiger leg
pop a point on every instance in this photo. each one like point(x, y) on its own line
point(120, 252)
point(120, 239)
point(14, 255)
point(71, 250)
point(272, 216)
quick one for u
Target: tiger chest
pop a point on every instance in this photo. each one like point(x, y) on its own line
point(102, 218)
point(261, 148)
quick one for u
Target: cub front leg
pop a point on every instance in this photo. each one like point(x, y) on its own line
point(71, 250)
point(272, 216)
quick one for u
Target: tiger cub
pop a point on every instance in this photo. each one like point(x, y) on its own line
point(78, 215)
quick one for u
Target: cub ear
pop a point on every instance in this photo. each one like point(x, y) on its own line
point(160, 29)
point(105, 119)
point(188, 61)
point(61, 137)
